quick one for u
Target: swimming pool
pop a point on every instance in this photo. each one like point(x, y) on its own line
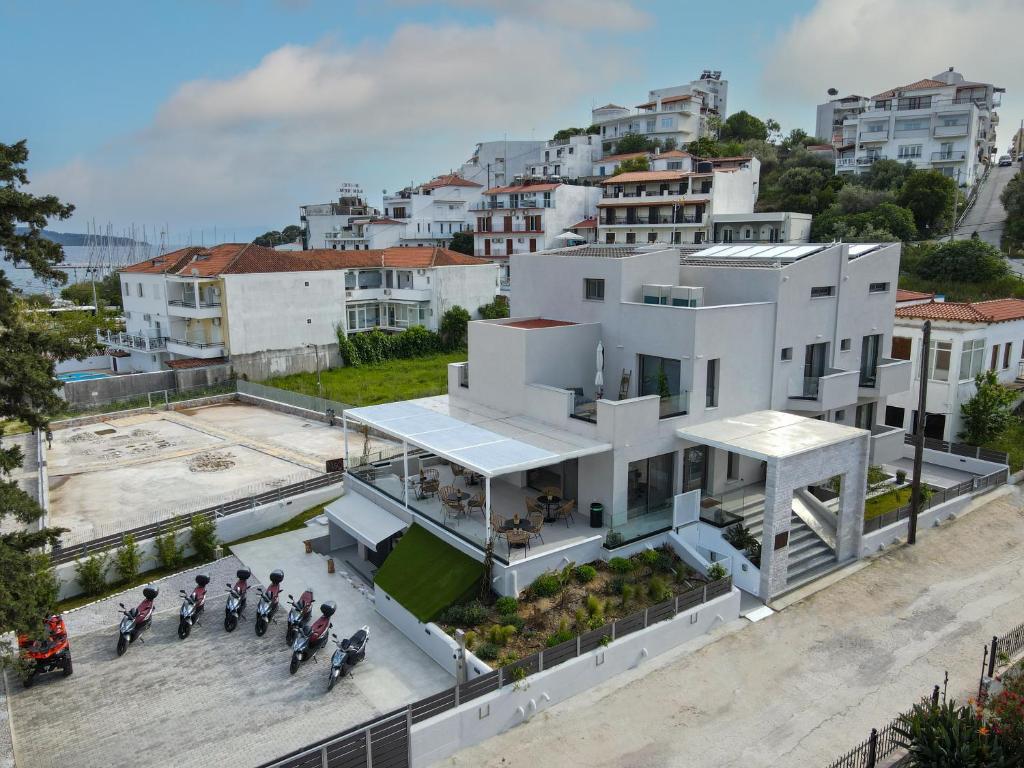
point(82, 376)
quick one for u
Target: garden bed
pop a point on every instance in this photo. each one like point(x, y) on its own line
point(562, 604)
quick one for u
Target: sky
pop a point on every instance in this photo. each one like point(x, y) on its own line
point(229, 114)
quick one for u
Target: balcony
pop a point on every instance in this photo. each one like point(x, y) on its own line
point(951, 130)
point(192, 348)
point(870, 159)
point(890, 378)
point(845, 163)
point(835, 389)
point(494, 205)
point(131, 341)
point(870, 136)
point(649, 220)
point(957, 156)
point(657, 193)
point(886, 444)
point(203, 309)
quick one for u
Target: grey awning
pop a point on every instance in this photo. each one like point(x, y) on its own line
point(363, 519)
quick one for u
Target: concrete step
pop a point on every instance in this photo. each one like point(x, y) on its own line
point(806, 547)
point(803, 568)
point(806, 577)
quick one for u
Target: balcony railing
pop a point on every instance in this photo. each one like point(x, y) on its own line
point(196, 344)
point(206, 304)
point(874, 136)
point(131, 341)
point(949, 157)
point(629, 221)
point(869, 159)
point(951, 130)
point(649, 193)
point(495, 205)
point(674, 405)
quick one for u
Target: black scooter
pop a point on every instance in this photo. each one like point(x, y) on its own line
point(310, 640)
point(267, 606)
point(135, 621)
point(192, 606)
point(236, 599)
point(350, 652)
point(301, 610)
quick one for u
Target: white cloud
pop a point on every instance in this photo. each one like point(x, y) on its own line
point(247, 150)
point(618, 15)
point(868, 46)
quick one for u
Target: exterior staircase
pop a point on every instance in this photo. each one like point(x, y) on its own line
point(809, 556)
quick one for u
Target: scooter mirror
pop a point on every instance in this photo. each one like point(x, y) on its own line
point(121, 604)
point(334, 636)
point(290, 597)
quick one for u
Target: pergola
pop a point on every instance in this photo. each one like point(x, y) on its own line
point(487, 442)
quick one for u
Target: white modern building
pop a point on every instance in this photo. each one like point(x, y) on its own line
point(945, 123)
point(498, 163)
point(321, 219)
point(675, 206)
point(274, 312)
point(833, 113)
point(966, 339)
point(678, 113)
point(767, 227)
point(570, 159)
point(680, 393)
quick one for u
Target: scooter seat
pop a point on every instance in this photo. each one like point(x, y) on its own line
point(145, 609)
point(319, 627)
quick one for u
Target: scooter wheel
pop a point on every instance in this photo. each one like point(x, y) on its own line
point(294, 666)
point(29, 680)
point(184, 629)
point(67, 666)
point(122, 645)
point(230, 622)
point(331, 680)
point(344, 670)
point(261, 627)
point(289, 636)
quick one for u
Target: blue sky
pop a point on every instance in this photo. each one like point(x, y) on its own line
point(232, 113)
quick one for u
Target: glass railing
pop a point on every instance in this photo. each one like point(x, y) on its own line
point(674, 405)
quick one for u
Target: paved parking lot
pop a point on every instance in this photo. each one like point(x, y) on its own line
point(215, 699)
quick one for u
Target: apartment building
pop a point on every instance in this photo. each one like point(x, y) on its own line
point(966, 339)
point(272, 312)
point(498, 163)
point(768, 227)
point(681, 392)
point(945, 123)
point(675, 206)
point(571, 158)
point(320, 219)
point(834, 113)
point(678, 113)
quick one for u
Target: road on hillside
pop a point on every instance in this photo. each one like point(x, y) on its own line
point(803, 686)
point(987, 216)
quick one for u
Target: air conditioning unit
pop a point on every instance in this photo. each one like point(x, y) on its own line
point(656, 294)
point(387, 291)
point(687, 296)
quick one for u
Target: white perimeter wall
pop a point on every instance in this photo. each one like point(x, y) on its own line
point(470, 287)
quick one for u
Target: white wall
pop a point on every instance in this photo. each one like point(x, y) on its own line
point(469, 287)
point(426, 635)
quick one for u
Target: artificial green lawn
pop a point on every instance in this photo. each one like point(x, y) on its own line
point(886, 502)
point(426, 575)
point(292, 524)
point(383, 383)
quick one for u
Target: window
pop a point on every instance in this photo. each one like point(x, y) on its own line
point(675, 165)
point(878, 288)
point(994, 362)
point(727, 235)
point(915, 102)
point(787, 354)
point(1006, 354)
point(909, 150)
point(609, 237)
point(972, 359)
point(746, 233)
point(652, 237)
point(650, 126)
point(938, 360)
point(732, 471)
point(139, 290)
point(666, 122)
point(127, 290)
point(894, 416)
point(650, 485)
point(823, 291)
point(840, 416)
point(593, 289)
point(865, 417)
point(711, 390)
point(901, 346)
point(630, 238)
point(844, 345)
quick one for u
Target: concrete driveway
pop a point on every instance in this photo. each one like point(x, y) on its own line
point(215, 699)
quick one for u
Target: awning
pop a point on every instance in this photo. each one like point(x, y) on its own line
point(769, 434)
point(360, 517)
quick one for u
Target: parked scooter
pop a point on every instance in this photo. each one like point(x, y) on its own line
point(267, 606)
point(310, 640)
point(192, 606)
point(47, 655)
point(136, 620)
point(350, 652)
point(236, 599)
point(301, 610)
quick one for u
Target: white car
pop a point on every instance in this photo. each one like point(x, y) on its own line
point(1005, 160)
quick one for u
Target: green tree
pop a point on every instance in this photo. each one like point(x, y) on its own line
point(127, 560)
point(462, 242)
point(108, 291)
point(92, 573)
point(929, 195)
point(632, 164)
point(633, 142)
point(454, 328)
point(203, 537)
point(1012, 199)
point(988, 413)
point(496, 310)
point(28, 352)
point(887, 175)
point(970, 261)
point(742, 125)
point(169, 552)
point(291, 233)
point(705, 146)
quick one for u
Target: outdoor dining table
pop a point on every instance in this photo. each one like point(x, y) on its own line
point(550, 504)
point(522, 525)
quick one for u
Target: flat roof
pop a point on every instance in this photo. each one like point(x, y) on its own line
point(363, 519)
point(785, 254)
point(486, 441)
point(769, 434)
point(537, 322)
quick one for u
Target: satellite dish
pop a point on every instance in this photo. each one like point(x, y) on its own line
point(833, 92)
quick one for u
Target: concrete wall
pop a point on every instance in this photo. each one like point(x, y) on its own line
point(281, 362)
point(891, 534)
point(442, 736)
point(229, 528)
point(707, 539)
point(429, 637)
point(93, 363)
point(952, 461)
point(117, 387)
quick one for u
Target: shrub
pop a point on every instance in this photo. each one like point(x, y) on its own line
point(582, 621)
point(564, 634)
point(169, 553)
point(506, 606)
point(901, 476)
point(92, 573)
point(496, 310)
point(613, 539)
point(716, 571)
point(594, 606)
point(453, 327)
point(950, 734)
point(203, 537)
point(666, 561)
point(466, 615)
point(585, 573)
point(970, 261)
point(657, 590)
point(648, 558)
point(596, 622)
point(487, 652)
point(615, 585)
point(127, 559)
point(628, 590)
point(546, 585)
point(378, 347)
point(620, 565)
point(515, 621)
point(470, 639)
point(499, 635)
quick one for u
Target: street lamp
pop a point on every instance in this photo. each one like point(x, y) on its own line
point(319, 383)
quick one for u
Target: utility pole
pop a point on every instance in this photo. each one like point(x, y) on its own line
point(922, 417)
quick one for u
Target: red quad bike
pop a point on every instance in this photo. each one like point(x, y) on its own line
point(47, 655)
point(301, 610)
point(310, 640)
point(192, 606)
point(267, 606)
point(135, 621)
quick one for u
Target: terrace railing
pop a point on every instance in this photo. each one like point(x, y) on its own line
point(962, 449)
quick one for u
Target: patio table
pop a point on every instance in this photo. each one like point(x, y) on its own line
point(550, 504)
point(522, 525)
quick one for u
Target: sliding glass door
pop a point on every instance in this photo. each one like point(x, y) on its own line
point(650, 485)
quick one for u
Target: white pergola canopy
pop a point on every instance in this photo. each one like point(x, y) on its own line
point(769, 434)
point(485, 441)
point(364, 520)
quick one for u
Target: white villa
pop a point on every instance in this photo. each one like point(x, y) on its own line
point(669, 394)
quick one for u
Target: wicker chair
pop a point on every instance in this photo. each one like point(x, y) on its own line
point(537, 521)
point(430, 482)
point(450, 504)
point(517, 538)
point(458, 471)
point(565, 512)
point(478, 502)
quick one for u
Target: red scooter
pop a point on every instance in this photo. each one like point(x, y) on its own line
point(301, 610)
point(135, 621)
point(192, 606)
point(236, 599)
point(267, 606)
point(310, 640)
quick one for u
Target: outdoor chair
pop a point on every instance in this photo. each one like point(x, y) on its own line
point(430, 481)
point(450, 502)
point(565, 512)
point(537, 521)
point(458, 471)
point(477, 502)
point(517, 538)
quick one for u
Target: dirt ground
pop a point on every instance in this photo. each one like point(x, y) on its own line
point(805, 685)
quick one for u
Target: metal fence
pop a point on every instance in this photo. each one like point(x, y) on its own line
point(938, 497)
point(962, 449)
point(1003, 648)
point(384, 742)
point(294, 399)
point(157, 398)
point(68, 552)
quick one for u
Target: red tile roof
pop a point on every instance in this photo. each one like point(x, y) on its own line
point(672, 153)
point(389, 222)
point(449, 180)
point(590, 223)
point(992, 311)
point(523, 188)
point(193, 260)
point(194, 362)
point(920, 85)
point(642, 176)
point(537, 322)
point(902, 294)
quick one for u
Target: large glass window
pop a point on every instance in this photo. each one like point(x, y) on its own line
point(938, 360)
point(711, 391)
point(661, 376)
point(972, 359)
point(650, 485)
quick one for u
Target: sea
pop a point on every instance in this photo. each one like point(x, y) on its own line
point(77, 260)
